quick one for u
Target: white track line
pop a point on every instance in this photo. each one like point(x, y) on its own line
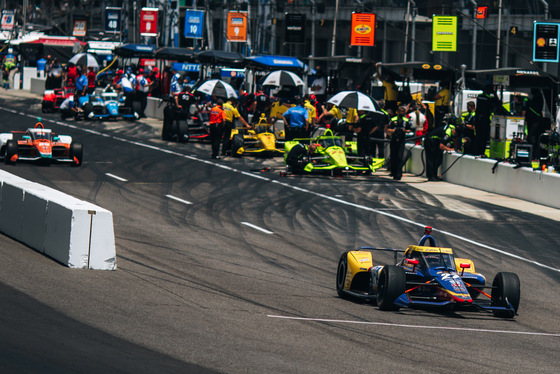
point(331, 198)
point(116, 177)
point(417, 326)
point(178, 199)
point(257, 228)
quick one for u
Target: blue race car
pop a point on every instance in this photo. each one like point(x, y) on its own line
point(427, 276)
point(107, 105)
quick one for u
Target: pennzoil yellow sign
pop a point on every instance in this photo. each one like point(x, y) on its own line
point(363, 29)
point(444, 33)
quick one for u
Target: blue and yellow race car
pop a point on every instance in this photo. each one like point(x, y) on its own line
point(325, 153)
point(427, 276)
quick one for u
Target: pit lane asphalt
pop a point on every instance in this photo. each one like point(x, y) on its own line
point(198, 290)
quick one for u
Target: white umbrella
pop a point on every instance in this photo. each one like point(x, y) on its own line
point(86, 59)
point(282, 78)
point(356, 100)
point(217, 87)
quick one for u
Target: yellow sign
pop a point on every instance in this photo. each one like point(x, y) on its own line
point(237, 26)
point(444, 34)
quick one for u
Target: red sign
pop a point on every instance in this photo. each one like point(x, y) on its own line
point(363, 29)
point(148, 22)
point(482, 12)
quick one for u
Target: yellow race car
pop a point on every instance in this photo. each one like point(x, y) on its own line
point(261, 139)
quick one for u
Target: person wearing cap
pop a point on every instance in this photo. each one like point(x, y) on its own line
point(312, 113)
point(440, 139)
point(117, 78)
point(142, 90)
point(91, 80)
point(217, 121)
point(230, 109)
point(261, 105)
point(397, 130)
point(68, 108)
point(81, 83)
point(155, 78)
point(296, 120)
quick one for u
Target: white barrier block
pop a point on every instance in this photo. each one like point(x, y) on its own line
point(80, 235)
point(34, 216)
point(57, 232)
point(11, 210)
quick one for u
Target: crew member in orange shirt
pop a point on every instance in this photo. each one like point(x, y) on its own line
point(217, 122)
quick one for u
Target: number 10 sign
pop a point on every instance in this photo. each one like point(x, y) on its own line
point(194, 21)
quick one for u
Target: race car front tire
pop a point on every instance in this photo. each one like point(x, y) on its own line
point(506, 292)
point(77, 151)
point(341, 275)
point(236, 144)
point(11, 150)
point(392, 284)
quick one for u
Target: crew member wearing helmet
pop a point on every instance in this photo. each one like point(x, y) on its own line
point(397, 130)
point(440, 139)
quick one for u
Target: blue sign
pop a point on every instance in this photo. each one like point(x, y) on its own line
point(179, 66)
point(194, 22)
point(112, 19)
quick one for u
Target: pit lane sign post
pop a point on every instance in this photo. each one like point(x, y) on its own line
point(149, 22)
point(237, 26)
point(545, 41)
point(194, 24)
point(113, 20)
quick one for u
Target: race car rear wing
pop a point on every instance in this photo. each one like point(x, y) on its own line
point(395, 251)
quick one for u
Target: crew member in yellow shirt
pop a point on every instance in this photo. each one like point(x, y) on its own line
point(231, 113)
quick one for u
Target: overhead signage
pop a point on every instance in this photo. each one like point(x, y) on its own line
point(545, 42)
point(194, 22)
point(295, 28)
point(482, 12)
point(112, 19)
point(237, 26)
point(149, 22)
point(8, 20)
point(444, 33)
point(363, 29)
point(80, 27)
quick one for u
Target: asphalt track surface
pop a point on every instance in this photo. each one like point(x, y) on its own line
point(226, 268)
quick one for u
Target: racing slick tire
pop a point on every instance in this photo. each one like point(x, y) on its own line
point(182, 131)
point(506, 290)
point(168, 119)
point(392, 284)
point(295, 158)
point(11, 150)
point(77, 151)
point(87, 108)
point(236, 144)
point(341, 275)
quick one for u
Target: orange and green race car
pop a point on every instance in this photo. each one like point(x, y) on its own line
point(39, 144)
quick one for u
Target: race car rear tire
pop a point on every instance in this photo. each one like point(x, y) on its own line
point(168, 119)
point(182, 131)
point(11, 150)
point(392, 284)
point(505, 292)
point(77, 151)
point(236, 144)
point(341, 275)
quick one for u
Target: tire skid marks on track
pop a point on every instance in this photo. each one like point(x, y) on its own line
point(304, 190)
